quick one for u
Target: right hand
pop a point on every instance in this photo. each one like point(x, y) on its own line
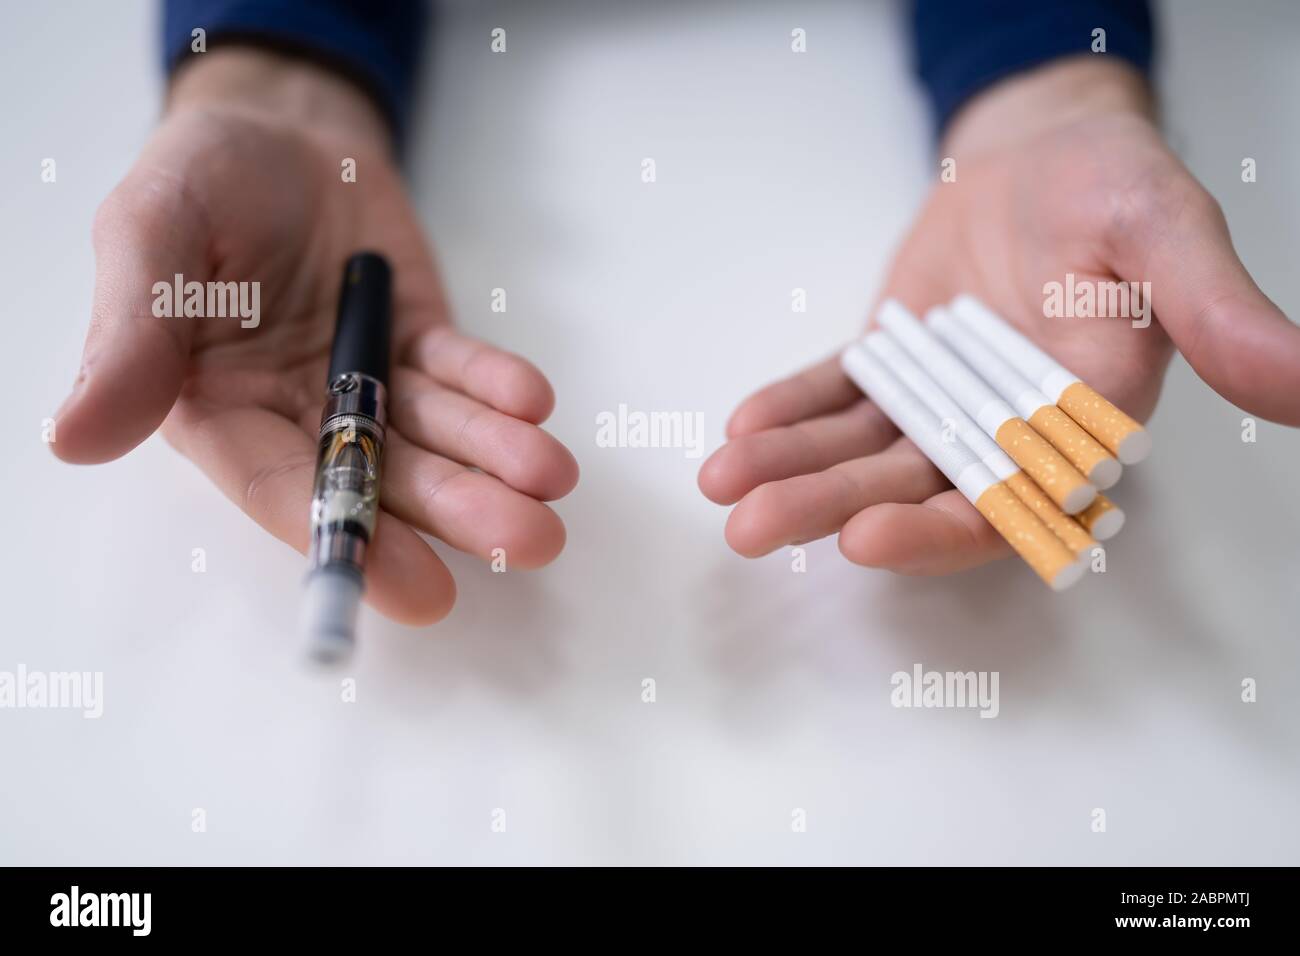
point(242, 182)
point(1062, 171)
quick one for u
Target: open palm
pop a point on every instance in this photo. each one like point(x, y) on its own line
point(1103, 199)
point(229, 196)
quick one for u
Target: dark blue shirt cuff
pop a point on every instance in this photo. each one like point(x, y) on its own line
point(376, 43)
point(963, 46)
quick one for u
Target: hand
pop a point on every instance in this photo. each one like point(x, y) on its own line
point(1058, 171)
point(242, 182)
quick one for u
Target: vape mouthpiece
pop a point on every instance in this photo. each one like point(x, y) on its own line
point(330, 603)
point(361, 337)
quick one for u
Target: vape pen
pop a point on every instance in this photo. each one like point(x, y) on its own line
point(345, 501)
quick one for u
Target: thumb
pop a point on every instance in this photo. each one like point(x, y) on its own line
point(1235, 338)
point(134, 362)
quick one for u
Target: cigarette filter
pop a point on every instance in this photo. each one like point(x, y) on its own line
point(1071, 533)
point(1119, 433)
point(1039, 547)
point(1063, 483)
point(1103, 518)
point(1079, 448)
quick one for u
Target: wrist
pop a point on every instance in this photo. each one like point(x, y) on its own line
point(1057, 94)
point(284, 88)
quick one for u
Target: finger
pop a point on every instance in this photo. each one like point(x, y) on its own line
point(819, 390)
point(1235, 338)
point(471, 511)
point(507, 382)
point(812, 506)
point(816, 444)
point(133, 362)
point(266, 464)
point(448, 423)
point(938, 536)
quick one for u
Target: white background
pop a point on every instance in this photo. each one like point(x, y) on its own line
point(775, 171)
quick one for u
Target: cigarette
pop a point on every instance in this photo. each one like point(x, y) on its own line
point(1040, 548)
point(1124, 437)
point(1103, 518)
point(1079, 448)
point(918, 380)
point(1063, 483)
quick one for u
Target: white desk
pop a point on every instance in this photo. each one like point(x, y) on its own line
point(775, 171)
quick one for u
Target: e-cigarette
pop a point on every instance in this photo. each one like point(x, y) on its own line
point(345, 500)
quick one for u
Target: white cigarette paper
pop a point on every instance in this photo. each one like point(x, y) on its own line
point(923, 385)
point(1063, 483)
point(918, 381)
point(1031, 539)
point(1118, 432)
point(1081, 449)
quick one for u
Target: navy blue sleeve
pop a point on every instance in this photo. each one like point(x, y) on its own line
point(376, 43)
point(963, 46)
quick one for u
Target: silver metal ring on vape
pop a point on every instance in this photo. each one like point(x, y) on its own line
point(362, 423)
point(355, 394)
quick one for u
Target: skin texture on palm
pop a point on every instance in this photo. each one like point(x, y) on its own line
point(228, 193)
point(1091, 190)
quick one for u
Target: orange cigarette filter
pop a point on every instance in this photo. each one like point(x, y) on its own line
point(1040, 548)
point(1072, 534)
point(1102, 518)
point(1029, 537)
point(1080, 449)
point(1062, 482)
point(924, 387)
point(1119, 432)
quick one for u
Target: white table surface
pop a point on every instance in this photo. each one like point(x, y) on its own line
point(775, 171)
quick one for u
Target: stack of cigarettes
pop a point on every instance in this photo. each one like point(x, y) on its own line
point(1028, 443)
